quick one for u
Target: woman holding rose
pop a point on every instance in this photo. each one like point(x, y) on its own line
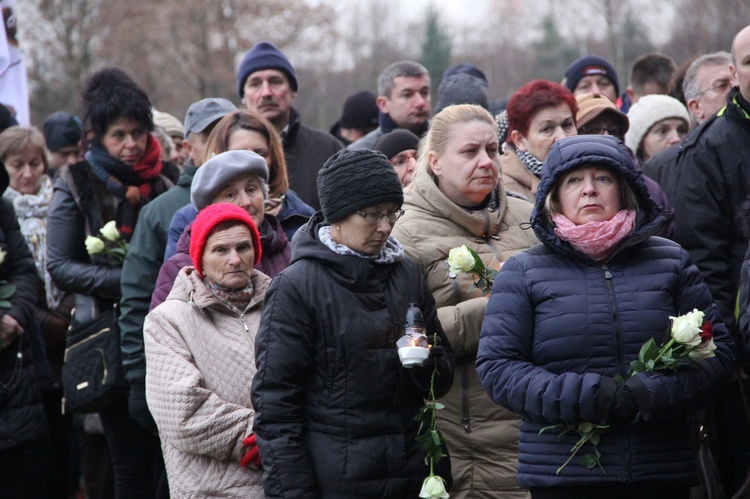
point(455, 200)
point(121, 172)
point(335, 408)
point(566, 319)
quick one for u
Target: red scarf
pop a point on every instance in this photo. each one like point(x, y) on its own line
point(149, 166)
point(595, 239)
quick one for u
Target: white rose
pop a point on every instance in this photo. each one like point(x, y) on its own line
point(686, 329)
point(433, 488)
point(109, 231)
point(703, 351)
point(460, 260)
point(94, 245)
point(3, 254)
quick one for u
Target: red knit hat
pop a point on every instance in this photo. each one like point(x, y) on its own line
point(210, 217)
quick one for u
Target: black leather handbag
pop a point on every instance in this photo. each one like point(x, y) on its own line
point(92, 366)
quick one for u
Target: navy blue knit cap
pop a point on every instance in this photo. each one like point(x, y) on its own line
point(264, 55)
point(589, 65)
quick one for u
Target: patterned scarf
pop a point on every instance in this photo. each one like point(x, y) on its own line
point(530, 162)
point(131, 184)
point(391, 252)
point(274, 205)
point(595, 239)
point(31, 211)
point(502, 127)
point(236, 300)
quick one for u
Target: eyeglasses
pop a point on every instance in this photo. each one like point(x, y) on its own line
point(599, 129)
point(374, 218)
point(718, 88)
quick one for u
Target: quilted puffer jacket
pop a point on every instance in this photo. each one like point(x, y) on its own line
point(201, 361)
point(559, 327)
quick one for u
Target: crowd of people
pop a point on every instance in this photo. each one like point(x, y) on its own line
point(271, 269)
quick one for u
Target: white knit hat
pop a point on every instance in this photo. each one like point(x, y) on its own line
point(649, 110)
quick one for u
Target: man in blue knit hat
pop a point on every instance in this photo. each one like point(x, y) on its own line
point(592, 74)
point(267, 84)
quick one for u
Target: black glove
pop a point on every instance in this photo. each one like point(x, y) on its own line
point(624, 408)
point(436, 353)
point(137, 406)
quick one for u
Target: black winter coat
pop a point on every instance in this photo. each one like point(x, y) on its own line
point(306, 150)
point(559, 327)
point(22, 417)
point(713, 183)
point(334, 407)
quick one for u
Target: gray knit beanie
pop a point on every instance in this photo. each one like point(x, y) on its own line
point(354, 179)
point(223, 169)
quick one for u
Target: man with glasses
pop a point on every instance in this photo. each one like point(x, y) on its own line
point(707, 83)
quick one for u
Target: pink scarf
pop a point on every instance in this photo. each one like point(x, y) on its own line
point(595, 239)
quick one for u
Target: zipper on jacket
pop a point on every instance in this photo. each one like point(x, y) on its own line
point(242, 318)
point(620, 364)
point(615, 319)
point(466, 419)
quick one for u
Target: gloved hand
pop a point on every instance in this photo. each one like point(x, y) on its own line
point(252, 454)
point(437, 352)
point(624, 408)
point(137, 406)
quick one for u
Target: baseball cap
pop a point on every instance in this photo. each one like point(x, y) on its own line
point(204, 112)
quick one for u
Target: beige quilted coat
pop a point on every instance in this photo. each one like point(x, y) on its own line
point(482, 437)
point(200, 362)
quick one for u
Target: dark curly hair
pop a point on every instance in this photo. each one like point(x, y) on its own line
point(110, 94)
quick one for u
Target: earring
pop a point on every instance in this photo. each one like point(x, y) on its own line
point(203, 272)
point(338, 227)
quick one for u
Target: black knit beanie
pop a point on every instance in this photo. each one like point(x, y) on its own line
point(397, 141)
point(354, 179)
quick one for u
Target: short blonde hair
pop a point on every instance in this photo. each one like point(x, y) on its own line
point(15, 139)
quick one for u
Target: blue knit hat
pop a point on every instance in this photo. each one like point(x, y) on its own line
point(589, 65)
point(264, 55)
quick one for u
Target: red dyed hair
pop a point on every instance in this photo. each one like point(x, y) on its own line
point(533, 96)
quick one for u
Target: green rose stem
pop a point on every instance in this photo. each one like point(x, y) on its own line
point(431, 439)
point(433, 416)
point(581, 442)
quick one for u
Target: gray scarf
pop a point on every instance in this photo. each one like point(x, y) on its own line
point(391, 252)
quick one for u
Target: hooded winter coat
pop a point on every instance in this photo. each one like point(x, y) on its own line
point(432, 224)
point(559, 327)
point(334, 407)
point(201, 360)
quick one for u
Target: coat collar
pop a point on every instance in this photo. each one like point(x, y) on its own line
point(424, 194)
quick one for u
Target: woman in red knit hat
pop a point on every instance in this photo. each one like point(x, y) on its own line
point(201, 357)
